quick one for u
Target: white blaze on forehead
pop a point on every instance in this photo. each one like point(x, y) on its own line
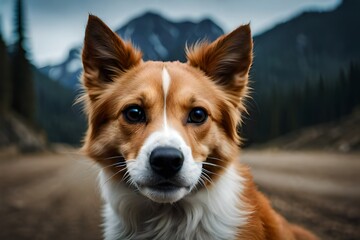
point(165, 82)
point(165, 85)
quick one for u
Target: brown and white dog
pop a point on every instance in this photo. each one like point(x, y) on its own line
point(165, 134)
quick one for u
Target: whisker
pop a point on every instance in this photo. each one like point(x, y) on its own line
point(204, 184)
point(207, 177)
point(118, 164)
point(131, 183)
point(195, 186)
point(121, 170)
point(114, 157)
point(210, 172)
point(201, 183)
point(218, 159)
point(126, 176)
point(220, 175)
point(213, 164)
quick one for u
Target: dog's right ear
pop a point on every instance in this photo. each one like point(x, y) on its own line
point(104, 56)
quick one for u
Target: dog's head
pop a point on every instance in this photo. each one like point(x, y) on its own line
point(164, 128)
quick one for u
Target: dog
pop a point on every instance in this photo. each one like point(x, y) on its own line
point(165, 135)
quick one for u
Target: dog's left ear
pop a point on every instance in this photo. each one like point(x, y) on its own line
point(226, 61)
point(105, 56)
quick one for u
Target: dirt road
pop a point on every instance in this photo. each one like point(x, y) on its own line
point(315, 189)
point(48, 197)
point(55, 196)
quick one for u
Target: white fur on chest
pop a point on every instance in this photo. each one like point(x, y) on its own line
point(213, 213)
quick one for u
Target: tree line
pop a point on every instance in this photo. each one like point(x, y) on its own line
point(17, 91)
point(284, 109)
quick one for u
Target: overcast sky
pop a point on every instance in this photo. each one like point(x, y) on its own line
point(54, 26)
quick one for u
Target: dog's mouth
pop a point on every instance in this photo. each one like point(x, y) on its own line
point(164, 192)
point(166, 186)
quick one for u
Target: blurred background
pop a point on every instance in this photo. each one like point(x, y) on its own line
point(301, 134)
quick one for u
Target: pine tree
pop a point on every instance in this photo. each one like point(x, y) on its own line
point(23, 93)
point(341, 94)
point(320, 101)
point(354, 84)
point(5, 84)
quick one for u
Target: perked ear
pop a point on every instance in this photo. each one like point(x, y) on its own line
point(104, 56)
point(226, 61)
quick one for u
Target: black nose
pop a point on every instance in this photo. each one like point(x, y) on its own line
point(166, 161)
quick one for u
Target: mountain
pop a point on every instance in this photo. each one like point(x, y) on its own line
point(304, 73)
point(157, 37)
point(161, 39)
point(66, 73)
point(307, 46)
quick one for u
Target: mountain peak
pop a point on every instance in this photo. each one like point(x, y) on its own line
point(147, 17)
point(162, 39)
point(151, 14)
point(157, 37)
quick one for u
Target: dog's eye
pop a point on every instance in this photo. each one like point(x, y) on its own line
point(134, 114)
point(197, 115)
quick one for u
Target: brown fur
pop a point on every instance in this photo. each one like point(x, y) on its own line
point(214, 78)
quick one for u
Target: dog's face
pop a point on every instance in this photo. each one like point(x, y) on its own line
point(164, 128)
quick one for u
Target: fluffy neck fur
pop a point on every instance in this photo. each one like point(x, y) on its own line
point(212, 213)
